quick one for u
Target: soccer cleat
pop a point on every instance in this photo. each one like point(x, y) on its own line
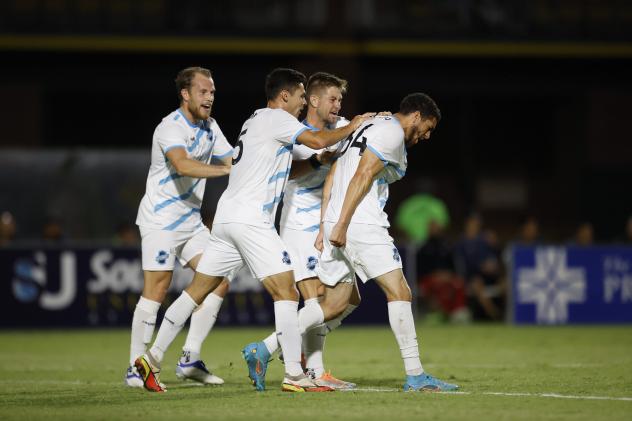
point(302, 383)
point(132, 378)
point(198, 372)
point(257, 357)
point(149, 374)
point(330, 381)
point(427, 383)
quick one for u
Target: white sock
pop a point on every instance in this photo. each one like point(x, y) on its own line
point(271, 343)
point(172, 323)
point(202, 321)
point(286, 322)
point(310, 315)
point(400, 316)
point(313, 345)
point(143, 325)
point(314, 341)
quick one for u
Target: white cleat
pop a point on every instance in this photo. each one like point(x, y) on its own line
point(132, 378)
point(302, 383)
point(330, 381)
point(198, 372)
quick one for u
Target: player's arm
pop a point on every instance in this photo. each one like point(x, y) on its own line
point(325, 202)
point(370, 166)
point(300, 167)
point(188, 167)
point(325, 138)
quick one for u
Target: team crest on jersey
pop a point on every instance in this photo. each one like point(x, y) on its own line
point(162, 257)
point(286, 258)
point(396, 256)
point(312, 261)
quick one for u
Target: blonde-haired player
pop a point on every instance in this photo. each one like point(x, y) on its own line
point(169, 218)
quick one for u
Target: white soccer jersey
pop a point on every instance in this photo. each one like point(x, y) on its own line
point(172, 202)
point(383, 136)
point(303, 195)
point(261, 164)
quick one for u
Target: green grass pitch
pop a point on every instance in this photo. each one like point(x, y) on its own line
point(515, 373)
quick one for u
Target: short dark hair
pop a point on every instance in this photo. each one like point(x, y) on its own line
point(422, 103)
point(320, 80)
point(282, 79)
point(185, 77)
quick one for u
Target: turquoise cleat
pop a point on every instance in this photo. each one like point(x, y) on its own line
point(257, 357)
point(426, 383)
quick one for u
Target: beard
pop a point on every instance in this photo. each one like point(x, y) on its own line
point(200, 113)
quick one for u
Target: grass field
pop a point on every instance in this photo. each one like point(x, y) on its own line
point(504, 372)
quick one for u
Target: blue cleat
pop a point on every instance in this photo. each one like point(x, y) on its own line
point(426, 383)
point(257, 357)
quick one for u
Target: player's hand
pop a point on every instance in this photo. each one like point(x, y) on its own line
point(318, 244)
point(359, 119)
point(384, 113)
point(326, 157)
point(338, 237)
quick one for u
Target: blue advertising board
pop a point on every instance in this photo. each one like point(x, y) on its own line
point(99, 286)
point(571, 285)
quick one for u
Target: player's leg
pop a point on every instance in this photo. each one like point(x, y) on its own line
point(309, 291)
point(173, 321)
point(155, 288)
point(268, 259)
point(190, 364)
point(354, 302)
point(333, 300)
point(282, 288)
point(400, 316)
point(158, 263)
point(218, 260)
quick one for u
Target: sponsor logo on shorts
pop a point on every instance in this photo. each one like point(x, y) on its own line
point(286, 258)
point(312, 261)
point(396, 256)
point(162, 257)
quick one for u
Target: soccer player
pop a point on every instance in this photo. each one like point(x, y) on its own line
point(169, 217)
point(243, 229)
point(299, 225)
point(354, 235)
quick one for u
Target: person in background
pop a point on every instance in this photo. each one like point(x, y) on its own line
point(8, 228)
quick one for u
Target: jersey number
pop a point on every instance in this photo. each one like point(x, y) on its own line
point(356, 143)
point(240, 145)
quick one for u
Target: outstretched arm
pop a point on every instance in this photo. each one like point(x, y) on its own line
point(370, 166)
point(325, 138)
point(188, 167)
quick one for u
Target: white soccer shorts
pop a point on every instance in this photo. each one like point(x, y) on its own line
point(369, 253)
point(233, 244)
point(160, 248)
point(300, 245)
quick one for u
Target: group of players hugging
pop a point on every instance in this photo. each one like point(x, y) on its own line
point(332, 175)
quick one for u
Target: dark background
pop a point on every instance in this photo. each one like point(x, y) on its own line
point(535, 95)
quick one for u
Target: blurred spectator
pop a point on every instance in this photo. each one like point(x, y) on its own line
point(627, 234)
point(127, 235)
point(7, 228)
point(584, 235)
point(52, 231)
point(529, 232)
point(415, 214)
point(477, 256)
point(442, 289)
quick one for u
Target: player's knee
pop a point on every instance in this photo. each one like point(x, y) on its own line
point(285, 294)
point(332, 308)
